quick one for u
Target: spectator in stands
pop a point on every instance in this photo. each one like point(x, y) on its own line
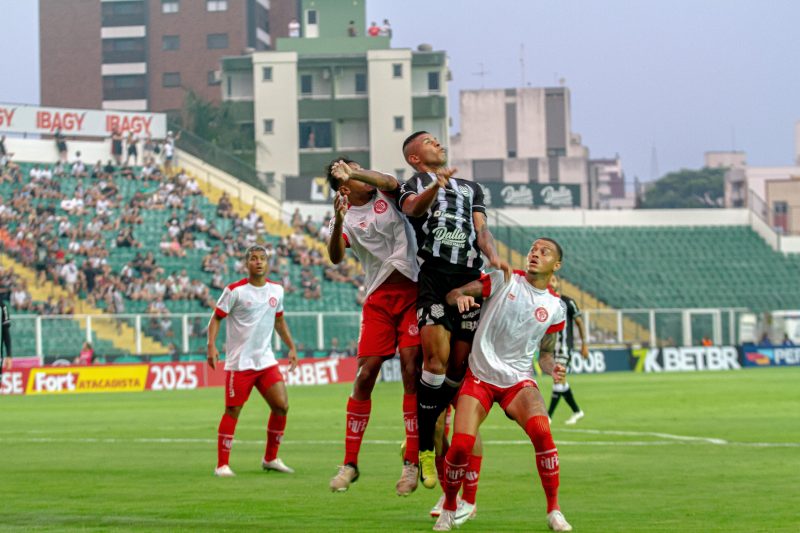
point(116, 146)
point(69, 275)
point(125, 239)
point(765, 340)
point(86, 355)
point(386, 29)
point(706, 341)
point(335, 351)
point(133, 149)
point(787, 341)
point(351, 29)
point(147, 149)
point(61, 145)
point(20, 297)
point(374, 30)
point(78, 167)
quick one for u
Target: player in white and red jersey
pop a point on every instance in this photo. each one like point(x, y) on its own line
point(368, 221)
point(253, 308)
point(517, 317)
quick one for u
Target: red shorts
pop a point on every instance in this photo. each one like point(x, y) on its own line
point(389, 320)
point(239, 383)
point(487, 393)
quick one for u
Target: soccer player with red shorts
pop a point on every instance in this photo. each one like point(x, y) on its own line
point(517, 317)
point(367, 221)
point(253, 308)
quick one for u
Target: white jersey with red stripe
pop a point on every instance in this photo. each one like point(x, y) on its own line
point(515, 316)
point(382, 239)
point(250, 313)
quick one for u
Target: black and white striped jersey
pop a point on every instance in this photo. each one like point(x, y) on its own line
point(446, 232)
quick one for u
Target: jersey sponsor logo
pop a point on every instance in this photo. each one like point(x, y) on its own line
point(469, 325)
point(541, 314)
point(455, 238)
point(444, 214)
point(273, 302)
point(380, 206)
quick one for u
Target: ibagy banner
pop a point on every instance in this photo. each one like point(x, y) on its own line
point(80, 122)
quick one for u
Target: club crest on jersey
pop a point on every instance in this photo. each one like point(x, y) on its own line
point(273, 302)
point(380, 206)
point(464, 190)
point(541, 314)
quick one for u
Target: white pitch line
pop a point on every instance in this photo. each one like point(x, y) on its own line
point(671, 440)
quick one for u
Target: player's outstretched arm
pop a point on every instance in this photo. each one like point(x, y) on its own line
point(336, 244)
point(211, 350)
point(486, 245)
point(464, 297)
point(286, 336)
point(547, 361)
point(417, 205)
point(379, 180)
point(584, 344)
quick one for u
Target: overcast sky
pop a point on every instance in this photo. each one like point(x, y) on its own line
point(685, 76)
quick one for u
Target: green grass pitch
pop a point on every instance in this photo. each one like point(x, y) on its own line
point(677, 452)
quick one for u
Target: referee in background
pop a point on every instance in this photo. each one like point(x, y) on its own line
point(564, 349)
point(5, 330)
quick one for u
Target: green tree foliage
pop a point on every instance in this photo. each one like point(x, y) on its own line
point(217, 124)
point(686, 189)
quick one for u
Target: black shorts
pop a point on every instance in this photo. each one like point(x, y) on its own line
point(432, 308)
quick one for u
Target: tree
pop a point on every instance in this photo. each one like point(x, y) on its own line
point(687, 189)
point(216, 124)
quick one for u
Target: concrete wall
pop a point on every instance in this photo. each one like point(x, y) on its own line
point(388, 97)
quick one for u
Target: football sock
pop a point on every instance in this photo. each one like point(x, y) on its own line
point(227, 427)
point(455, 467)
point(275, 427)
point(412, 428)
point(554, 397)
point(471, 479)
point(357, 419)
point(538, 429)
point(571, 400)
point(428, 394)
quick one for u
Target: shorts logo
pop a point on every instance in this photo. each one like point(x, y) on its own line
point(413, 330)
point(541, 314)
point(437, 310)
point(273, 302)
point(380, 206)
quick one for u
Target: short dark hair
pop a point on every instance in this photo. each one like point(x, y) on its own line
point(252, 249)
point(555, 243)
point(411, 138)
point(333, 181)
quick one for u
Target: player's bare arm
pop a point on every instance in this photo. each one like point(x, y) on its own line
point(464, 297)
point(211, 350)
point(417, 205)
point(486, 244)
point(379, 180)
point(336, 244)
point(282, 328)
point(547, 360)
point(584, 344)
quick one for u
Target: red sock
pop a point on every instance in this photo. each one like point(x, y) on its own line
point(471, 479)
point(412, 428)
point(455, 466)
point(538, 429)
point(357, 420)
point(227, 427)
point(275, 427)
point(440, 469)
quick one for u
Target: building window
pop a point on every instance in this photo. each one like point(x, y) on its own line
point(170, 6)
point(311, 16)
point(128, 87)
point(266, 73)
point(122, 14)
point(216, 5)
point(123, 50)
point(171, 42)
point(214, 77)
point(315, 134)
point(397, 70)
point(361, 83)
point(269, 178)
point(487, 169)
point(399, 124)
point(171, 79)
point(433, 82)
point(269, 126)
point(306, 84)
point(217, 41)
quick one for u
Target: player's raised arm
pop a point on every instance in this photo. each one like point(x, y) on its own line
point(336, 242)
point(211, 350)
point(486, 244)
point(282, 328)
point(464, 297)
point(416, 205)
point(547, 360)
point(379, 180)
